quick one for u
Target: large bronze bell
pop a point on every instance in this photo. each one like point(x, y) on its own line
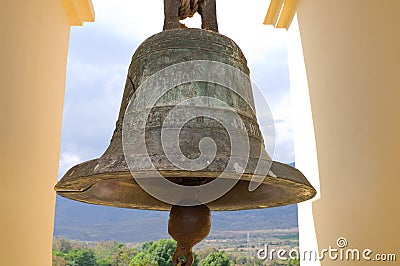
point(108, 180)
point(117, 177)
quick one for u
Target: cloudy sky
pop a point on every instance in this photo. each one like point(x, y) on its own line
point(100, 54)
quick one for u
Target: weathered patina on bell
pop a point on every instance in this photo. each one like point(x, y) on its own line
point(108, 180)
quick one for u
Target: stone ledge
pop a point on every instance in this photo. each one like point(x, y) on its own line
point(280, 13)
point(79, 11)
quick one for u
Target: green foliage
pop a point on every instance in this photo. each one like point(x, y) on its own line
point(82, 257)
point(156, 253)
point(294, 262)
point(62, 244)
point(59, 258)
point(246, 261)
point(143, 259)
point(285, 263)
point(103, 262)
point(112, 253)
point(216, 259)
point(203, 253)
point(58, 253)
point(147, 245)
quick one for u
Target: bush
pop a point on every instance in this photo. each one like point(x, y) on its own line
point(82, 257)
point(216, 259)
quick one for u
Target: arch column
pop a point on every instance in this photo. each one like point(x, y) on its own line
point(33, 52)
point(352, 58)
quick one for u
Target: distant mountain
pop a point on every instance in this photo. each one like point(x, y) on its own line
point(88, 222)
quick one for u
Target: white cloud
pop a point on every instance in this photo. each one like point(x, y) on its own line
point(243, 22)
point(284, 130)
point(130, 19)
point(240, 20)
point(67, 160)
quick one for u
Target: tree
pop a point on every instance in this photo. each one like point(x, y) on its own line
point(246, 261)
point(162, 251)
point(59, 259)
point(216, 259)
point(82, 257)
point(123, 255)
point(143, 259)
point(156, 253)
point(112, 253)
point(204, 252)
point(62, 244)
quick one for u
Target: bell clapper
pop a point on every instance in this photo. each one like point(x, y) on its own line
point(188, 225)
point(181, 260)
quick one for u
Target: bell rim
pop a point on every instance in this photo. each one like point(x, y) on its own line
point(285, 179)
